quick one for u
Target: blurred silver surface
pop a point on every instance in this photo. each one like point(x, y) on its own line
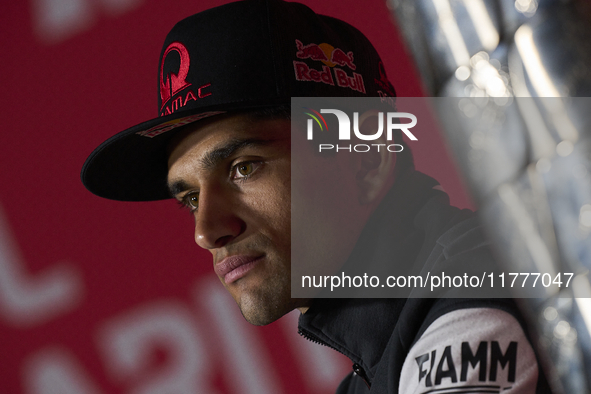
point(517, 75)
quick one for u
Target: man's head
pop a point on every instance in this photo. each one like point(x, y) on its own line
point(234, 174)
point(222, 143)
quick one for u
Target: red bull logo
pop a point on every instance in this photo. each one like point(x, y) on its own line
point(311, 51)
point(331, 57)
point(325, 53)
point(339, 57)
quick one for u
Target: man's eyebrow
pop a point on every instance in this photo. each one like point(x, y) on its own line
point(177, 187)
point(213, 158)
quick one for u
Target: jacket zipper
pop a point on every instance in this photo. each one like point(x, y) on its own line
point(357, 369)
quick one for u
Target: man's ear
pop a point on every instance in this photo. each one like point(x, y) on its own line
point(375, 174)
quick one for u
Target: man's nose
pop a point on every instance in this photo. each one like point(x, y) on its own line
point(217, 221)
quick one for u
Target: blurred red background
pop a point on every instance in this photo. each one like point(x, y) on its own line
point(98, 296)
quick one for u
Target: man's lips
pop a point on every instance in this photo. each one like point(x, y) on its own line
point(235, 267)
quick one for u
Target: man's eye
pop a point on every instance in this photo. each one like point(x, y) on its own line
point(191, 201)
point(243, 170)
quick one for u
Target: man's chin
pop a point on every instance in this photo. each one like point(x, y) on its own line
point(264, 294)
point(259, 310)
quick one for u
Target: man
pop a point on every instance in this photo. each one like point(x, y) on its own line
point(222, 147)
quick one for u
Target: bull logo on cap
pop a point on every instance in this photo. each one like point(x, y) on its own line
point(330, 74)
point(171, 83)
point(326, 53)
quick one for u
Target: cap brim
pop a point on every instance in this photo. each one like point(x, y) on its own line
point(133, 164)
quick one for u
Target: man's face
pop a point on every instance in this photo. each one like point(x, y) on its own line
point(233, 173)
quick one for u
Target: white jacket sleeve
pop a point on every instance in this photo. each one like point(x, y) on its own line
point(477, 350)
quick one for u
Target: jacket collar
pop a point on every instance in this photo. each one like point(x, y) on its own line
point(358, 328)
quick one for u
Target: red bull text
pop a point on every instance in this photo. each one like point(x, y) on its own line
point(329, 74)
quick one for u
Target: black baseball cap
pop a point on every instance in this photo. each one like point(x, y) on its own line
point(241, 56)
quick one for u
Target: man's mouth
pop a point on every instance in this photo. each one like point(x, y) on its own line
point(235, 267)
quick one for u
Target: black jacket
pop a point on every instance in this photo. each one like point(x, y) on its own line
point(415, 342)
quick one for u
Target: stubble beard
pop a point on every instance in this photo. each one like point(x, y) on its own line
point(263, 301)
point(268, 302)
